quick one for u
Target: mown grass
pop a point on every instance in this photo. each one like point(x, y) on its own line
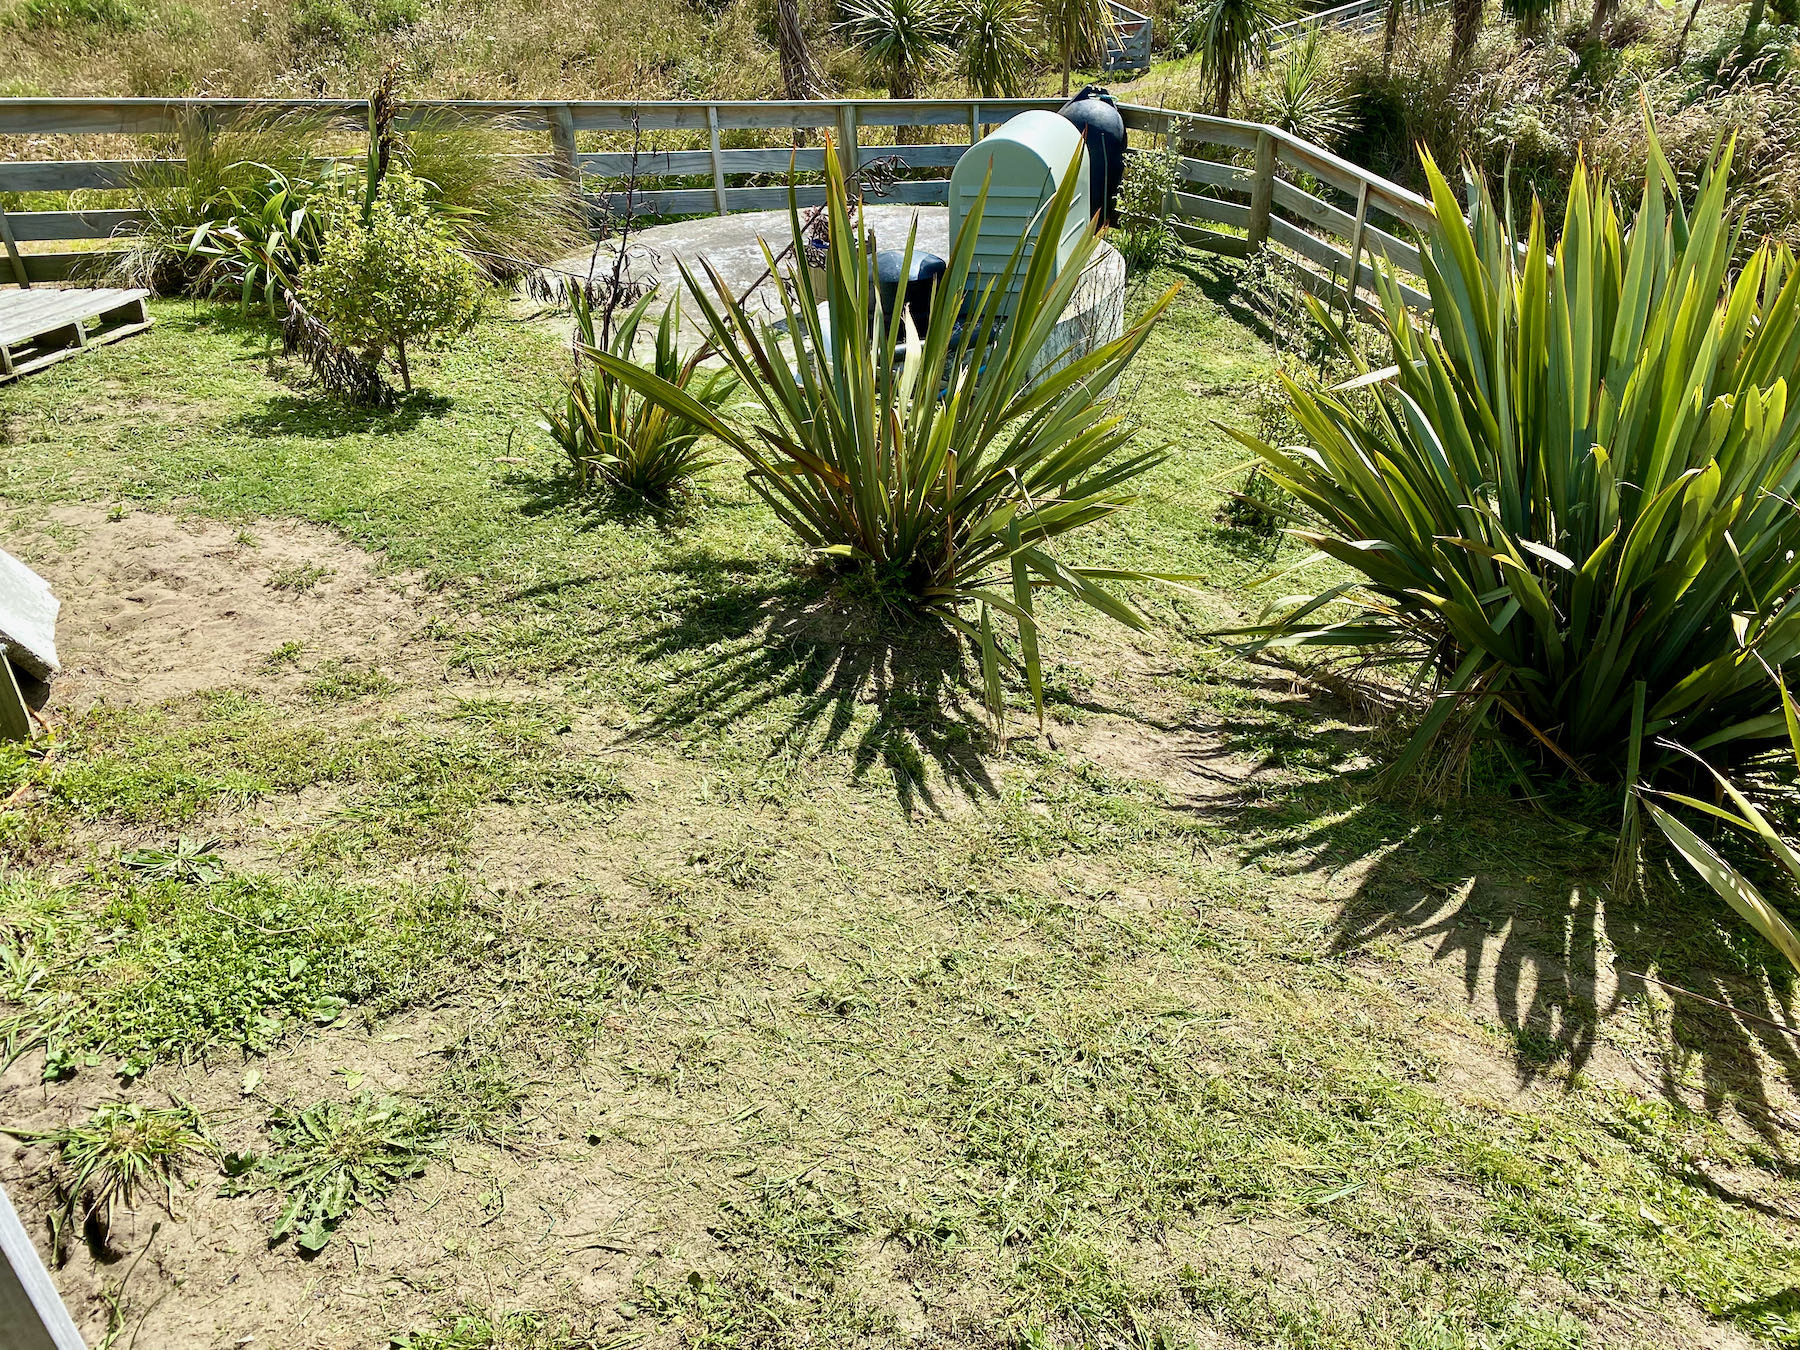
point(992, 1044)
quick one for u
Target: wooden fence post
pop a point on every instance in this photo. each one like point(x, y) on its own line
point(20, 275)
point(718, 165)
point(1356, 247)
point(562, 143)
point(1262, 190)
point(974, 123)
point(847, 155)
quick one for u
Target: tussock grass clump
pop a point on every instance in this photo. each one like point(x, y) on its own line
point(119, 1152)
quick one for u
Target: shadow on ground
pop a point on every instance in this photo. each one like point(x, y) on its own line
point(1519, 904)
point(826, 673)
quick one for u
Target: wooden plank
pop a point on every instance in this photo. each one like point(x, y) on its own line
point(1191, 127)
point(1327, 216)
point(772, 198)
point(1402, 205)
point(1310, 246)
point(693, 163)
point(74, 175)
point(916, 156)
point(917, 192)
point(712, 151)
point(25, 316)
point(943, 112)
point(14, 261)
point(30, 1308)
point(1311, 209)
point(1397, 251)
point(40, 225)
point(846, 143)
point(671, 202)
point(1210, 174)
point(1356, 247)
point(1227, 245)
point(1215, 209)
point(70, 266)
point(562, 144)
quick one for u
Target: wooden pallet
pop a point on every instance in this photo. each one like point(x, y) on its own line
point(41, 327)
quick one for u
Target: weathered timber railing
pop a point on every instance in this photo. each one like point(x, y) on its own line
point(1245, 187)
point(1128, 49)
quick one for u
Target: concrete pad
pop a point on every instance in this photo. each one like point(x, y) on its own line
point(27, 618)
point(733, 245)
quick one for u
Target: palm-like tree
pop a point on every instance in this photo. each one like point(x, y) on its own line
point(1079, 31)
point(800, 73)
point(1465, 27)
point(901, 37)
point(1231, 37)
point(995, 41)
point(1305, 98)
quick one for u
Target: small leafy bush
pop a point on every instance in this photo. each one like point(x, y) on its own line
point(941, 468)
point(331, 1158)
point(614, 434)
point(391, 276)
point(1145, 235)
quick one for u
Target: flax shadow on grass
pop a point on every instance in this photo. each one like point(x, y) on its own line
point(1519, 905)
point(825, 674)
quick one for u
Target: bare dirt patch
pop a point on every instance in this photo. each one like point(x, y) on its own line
point(156, 606)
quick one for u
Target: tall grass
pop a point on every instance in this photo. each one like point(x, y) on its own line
point(235, 207)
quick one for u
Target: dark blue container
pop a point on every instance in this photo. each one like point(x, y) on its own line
point(1096, 113)
point(927, 268)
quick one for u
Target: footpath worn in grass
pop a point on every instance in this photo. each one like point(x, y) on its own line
point(652, 946)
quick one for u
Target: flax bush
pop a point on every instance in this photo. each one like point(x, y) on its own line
point(1572, 500)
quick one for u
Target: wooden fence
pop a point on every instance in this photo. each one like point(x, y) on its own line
point(1245, 187)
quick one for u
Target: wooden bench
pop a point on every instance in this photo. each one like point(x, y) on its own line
point(41, 327)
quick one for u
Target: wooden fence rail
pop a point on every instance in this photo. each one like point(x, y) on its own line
point(1245, 187)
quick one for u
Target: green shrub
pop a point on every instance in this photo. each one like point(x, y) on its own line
point(391, 276)
point(1145, 235)
point(239, 211)
point(112, 16)
point(341, 24)
point(1573, 499)
point(936, 465)
point(613, 433)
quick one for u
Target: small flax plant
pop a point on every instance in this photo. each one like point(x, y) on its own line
point(944, 466)
point(121, 1150)
point(615, 435)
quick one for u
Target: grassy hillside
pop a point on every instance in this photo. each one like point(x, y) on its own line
point(447, 48)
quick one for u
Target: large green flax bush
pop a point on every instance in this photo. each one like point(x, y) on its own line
point(1573, 498)
point(945, 465)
